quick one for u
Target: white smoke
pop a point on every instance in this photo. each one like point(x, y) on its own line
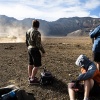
point(15, 34)
point(42, 35)
point(12, 35)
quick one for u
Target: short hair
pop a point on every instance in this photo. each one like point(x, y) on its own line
point(35, 23)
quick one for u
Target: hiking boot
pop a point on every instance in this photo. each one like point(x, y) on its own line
point(34, 81)
point(30, 78)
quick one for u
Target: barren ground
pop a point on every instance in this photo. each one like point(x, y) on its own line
point(60, 57)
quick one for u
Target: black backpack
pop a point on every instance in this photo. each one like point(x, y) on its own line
point(46, 78)
point(23, 95)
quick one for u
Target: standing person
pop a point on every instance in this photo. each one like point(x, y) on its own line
point(34, 45)
point(90, 78)
point(95, 35)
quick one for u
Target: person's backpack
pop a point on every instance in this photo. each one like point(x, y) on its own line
point(23, 95)
point(7, 93)
point(14, 93)
point(46, 78)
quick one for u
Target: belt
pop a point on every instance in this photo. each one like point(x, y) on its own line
point(31, 47)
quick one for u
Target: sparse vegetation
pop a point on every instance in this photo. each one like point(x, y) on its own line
point(61, 54)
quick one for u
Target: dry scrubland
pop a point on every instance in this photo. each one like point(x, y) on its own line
point(61, 54)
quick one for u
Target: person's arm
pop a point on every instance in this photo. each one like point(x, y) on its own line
point(94, 33)
point(27, 39)
point(38, 43)
point(89, 74)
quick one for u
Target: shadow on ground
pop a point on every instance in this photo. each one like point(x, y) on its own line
point(61, 87)
point(57, 86)
point(93, 96)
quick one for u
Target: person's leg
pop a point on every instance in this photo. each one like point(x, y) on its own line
point(30, 63)
point(71, 91)
point(30, 67)
point(98, 65)
point(36, 60)
point(34, 72)
point(33, 79)
point(88, 84)
point(96, 58)
point(36, 56)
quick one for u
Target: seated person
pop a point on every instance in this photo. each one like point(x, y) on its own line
point(89, 77)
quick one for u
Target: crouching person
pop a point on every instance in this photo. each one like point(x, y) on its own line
point(88, 81)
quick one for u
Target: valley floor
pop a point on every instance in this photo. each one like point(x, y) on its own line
point(61, 54)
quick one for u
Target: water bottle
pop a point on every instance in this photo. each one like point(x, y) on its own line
point(8, 96)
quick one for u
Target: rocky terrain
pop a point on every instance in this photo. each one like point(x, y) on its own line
point(10, 26)
point(61, 54)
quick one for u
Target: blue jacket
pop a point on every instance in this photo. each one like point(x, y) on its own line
point(90, 71)
point(95, 34)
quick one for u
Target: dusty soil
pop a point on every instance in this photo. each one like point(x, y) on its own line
point(60, 57)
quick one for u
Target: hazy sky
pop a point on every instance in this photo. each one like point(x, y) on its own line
point(49, 10)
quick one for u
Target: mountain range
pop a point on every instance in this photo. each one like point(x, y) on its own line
point(74, 26)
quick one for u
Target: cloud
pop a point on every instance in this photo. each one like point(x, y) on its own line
point(49, 10)
point(92, 4)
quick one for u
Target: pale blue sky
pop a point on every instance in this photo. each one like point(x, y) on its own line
point(50, 10)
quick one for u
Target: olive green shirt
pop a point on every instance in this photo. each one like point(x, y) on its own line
point(33, 39)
